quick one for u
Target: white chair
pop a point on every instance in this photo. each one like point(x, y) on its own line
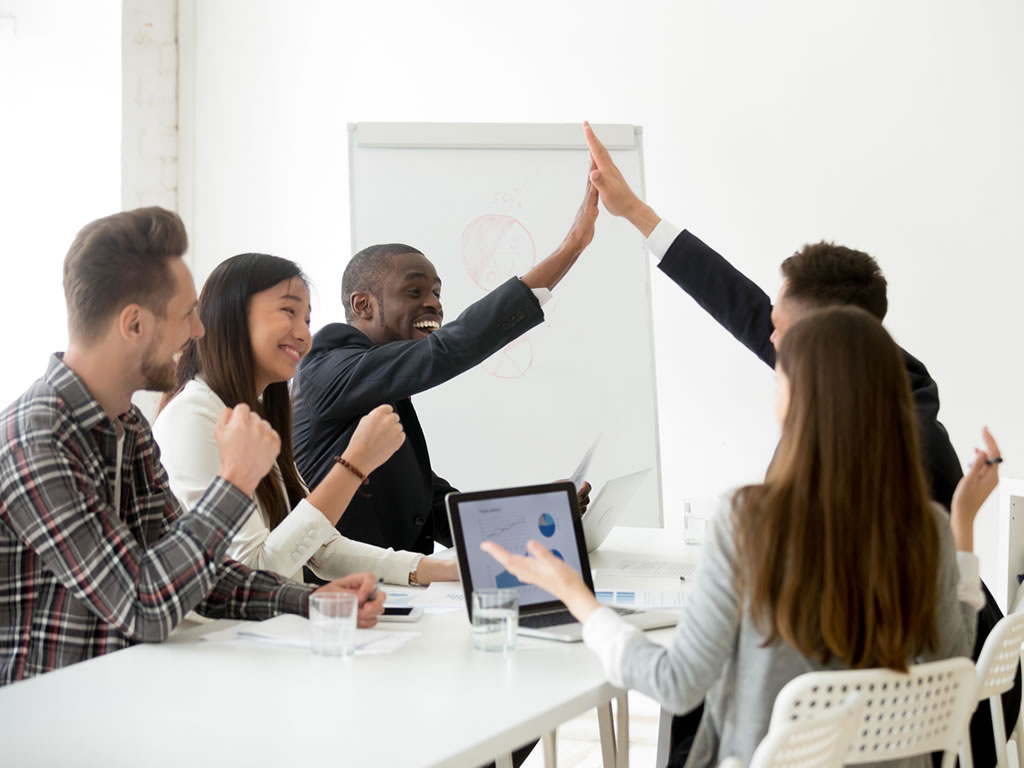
point(820, 742)
point(997, 668)
point(925, 710)
point(1017, 737)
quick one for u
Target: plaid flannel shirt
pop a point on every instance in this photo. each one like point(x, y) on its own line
point(79, 578)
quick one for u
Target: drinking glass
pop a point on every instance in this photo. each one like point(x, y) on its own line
point(495, 619)
point(332, 620)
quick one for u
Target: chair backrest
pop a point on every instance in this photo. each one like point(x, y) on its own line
point(997, 664)
point(820, 742)
point(997, 669)
point(925, 710)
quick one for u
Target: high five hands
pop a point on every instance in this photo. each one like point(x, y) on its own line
point(615, 193)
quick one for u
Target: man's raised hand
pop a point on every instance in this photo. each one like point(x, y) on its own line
point(617, 196)
point(248, 447)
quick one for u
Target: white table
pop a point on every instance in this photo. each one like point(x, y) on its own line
point(651, 544)
point(434, 702)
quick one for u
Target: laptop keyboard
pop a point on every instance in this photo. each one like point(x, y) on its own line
point(542, 620)
point(623, 611)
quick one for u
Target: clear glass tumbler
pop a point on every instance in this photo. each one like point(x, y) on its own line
point(495, 619)
point(332, 621)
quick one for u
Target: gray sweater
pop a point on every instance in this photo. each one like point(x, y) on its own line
point(717, 654)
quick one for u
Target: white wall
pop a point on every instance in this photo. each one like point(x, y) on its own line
point(60, 154)
point(890, 127)
point(149, 126)
point(149, 117)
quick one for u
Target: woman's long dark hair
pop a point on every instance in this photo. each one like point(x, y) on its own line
point(838, 549)
point(224, 358)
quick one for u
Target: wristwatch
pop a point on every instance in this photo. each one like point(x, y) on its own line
point(413, 566)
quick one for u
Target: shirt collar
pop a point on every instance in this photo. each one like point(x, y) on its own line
point(88, 413)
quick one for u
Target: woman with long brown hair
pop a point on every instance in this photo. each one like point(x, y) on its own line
point(837, 560)
point(255, 309)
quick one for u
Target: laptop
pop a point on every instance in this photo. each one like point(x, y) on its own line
point(511, 517)
point(606, 510)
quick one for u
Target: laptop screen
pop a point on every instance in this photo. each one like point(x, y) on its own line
point(511, 518)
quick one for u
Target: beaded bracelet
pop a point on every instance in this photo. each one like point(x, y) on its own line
point(352, 469)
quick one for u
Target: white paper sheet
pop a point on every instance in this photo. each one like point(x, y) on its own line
point(651, 569)
point(290, 631)
point(440, 597)
point(641, 598)
point(580, 474)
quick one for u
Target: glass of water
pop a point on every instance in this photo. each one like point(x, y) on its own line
point(495, 619)
point(332, 620)
point(695, 521)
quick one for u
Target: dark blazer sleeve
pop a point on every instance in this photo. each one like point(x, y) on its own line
point(343, 386)
point(439, 511)
point(725, 293)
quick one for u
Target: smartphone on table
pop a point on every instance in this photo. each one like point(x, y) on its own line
point(401, 613)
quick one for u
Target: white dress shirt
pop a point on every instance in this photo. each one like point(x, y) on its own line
point(184, 431)
point(661, 239)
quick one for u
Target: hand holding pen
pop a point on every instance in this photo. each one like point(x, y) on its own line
point(371, 599)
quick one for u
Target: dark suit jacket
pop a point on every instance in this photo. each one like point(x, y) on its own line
point(345, 376)
point(744, 310)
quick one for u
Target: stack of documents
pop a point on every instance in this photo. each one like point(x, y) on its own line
point(290, 631)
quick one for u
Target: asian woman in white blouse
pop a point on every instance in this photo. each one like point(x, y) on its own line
point(255, 309)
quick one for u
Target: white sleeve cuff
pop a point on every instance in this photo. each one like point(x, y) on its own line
point(607, 635)
point(661, 238)
point(969, 589)
point(340, 556)
point(543, 295)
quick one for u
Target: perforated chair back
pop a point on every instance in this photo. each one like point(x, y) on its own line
point(997, 668)
point(820, 742)
point(925, 710)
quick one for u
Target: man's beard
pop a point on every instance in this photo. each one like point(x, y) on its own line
point(158, 377)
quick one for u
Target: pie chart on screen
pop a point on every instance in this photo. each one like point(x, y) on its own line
point(546, 523)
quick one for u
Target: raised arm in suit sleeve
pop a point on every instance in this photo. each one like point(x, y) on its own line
point(725, 293)
point(344, 383)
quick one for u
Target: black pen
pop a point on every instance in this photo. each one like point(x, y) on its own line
point(996, 460)
point(373, 592)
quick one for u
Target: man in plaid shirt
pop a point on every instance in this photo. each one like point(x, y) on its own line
point(95, 552)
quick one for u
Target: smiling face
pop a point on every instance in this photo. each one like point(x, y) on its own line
point(409, 306)
point(279, 331)
point(179, 324)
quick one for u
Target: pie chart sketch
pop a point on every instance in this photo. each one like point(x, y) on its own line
point(512, 361)
point(496, 247)
point(546, 523)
